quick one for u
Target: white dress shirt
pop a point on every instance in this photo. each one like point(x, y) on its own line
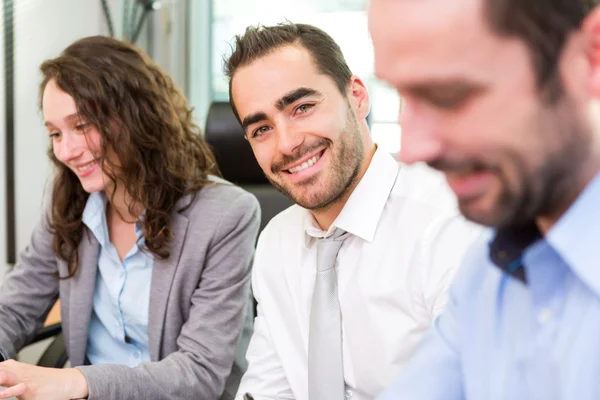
point(406, 241)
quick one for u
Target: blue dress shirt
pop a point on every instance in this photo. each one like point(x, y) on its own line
point(523, 320)
point(118, 331)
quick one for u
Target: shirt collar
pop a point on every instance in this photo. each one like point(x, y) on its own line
point(573, 237)
point(362, 212)
point(508, 246)
point(94, 217)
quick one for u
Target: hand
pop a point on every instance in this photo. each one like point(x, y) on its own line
point(30, 382)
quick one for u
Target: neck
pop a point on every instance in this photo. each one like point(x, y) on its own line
point(326, 215)
point(588, 170)
point(119, 202)
point(546, 222)
point(587, 173)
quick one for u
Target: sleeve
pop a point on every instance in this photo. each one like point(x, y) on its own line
point(265, 378)
point(442, 251)
point(28, 291)
point(208, 340)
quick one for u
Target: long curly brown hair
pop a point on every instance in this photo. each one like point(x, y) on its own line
point(145, 120)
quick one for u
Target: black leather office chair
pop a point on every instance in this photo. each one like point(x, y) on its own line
point(237, 163)
point(55, 355)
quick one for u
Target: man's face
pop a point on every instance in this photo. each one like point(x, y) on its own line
point(472, 109)
point(304, 133)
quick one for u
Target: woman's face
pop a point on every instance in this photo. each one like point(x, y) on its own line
point(75, 142)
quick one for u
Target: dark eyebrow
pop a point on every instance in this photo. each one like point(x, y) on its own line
point(294, 96)
point(286, 100)
point(252, 119)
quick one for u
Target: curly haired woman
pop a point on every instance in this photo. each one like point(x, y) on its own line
point(147, 249)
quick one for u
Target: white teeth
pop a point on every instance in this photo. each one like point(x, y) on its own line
point(86, 166)
point(305, 164)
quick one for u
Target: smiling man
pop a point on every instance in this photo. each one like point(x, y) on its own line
point(503, 97)
point(348, 279)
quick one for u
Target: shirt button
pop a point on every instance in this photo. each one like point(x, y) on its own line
point(545, 315)
point(136, 354)
point(348, 395)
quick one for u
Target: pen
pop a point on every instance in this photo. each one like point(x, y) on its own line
point(248, 396)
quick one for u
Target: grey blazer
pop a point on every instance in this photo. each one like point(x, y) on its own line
point(198, 299)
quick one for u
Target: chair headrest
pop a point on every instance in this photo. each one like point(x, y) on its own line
point(232, 151)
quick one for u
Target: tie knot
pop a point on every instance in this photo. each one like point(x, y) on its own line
point(338, 234)
point(328, 248)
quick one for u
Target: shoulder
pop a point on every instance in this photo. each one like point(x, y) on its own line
point(423, 201)
point(288, 224)
point(220, 196)
point(419, 204)
point(284, 236)
point(423, 195)
point(220, 204)
point(222, 192)
point(421, 185)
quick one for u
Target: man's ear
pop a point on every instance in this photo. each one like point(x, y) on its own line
point(359, 97)
point(591, 29)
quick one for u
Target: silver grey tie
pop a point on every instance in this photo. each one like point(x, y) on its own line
point(325, 363)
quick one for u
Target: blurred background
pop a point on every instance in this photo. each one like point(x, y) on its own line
point(188, 38)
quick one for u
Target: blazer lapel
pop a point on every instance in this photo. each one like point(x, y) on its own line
point(163, 273)
point(81, 297)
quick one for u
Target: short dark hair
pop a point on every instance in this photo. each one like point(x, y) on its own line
point(544, 26)
point(260, 40)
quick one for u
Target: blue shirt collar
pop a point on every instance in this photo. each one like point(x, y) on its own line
point(94, 217)
point(574, 237)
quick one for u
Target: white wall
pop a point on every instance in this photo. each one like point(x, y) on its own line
point(42, 30)
point(200, 82)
